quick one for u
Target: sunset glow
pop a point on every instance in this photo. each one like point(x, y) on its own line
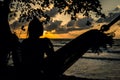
point(70, 34)
point(60, 21)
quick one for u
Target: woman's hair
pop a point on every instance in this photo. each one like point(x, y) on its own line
point(35, 28)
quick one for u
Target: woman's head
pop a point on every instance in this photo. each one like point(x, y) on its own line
point(35, 28)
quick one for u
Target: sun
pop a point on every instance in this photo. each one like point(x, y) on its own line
point(48, 34)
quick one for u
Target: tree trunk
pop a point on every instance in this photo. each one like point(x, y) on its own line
point(5, 35)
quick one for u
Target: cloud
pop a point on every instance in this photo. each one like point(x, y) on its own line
point(58, 28)
point(117, 8)
point(71, 23)
point(17, 25)
point(53, 25)
point(52, 12)
point(111, 15)
point(61, 30)
point(71, 26)
point(82, 23)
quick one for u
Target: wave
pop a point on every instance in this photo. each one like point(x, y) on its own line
point(102, 58)
point(113, 51)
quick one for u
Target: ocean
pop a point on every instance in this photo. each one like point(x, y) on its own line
point(105, 65)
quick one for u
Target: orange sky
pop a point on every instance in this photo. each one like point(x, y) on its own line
point(75, 33)
point(72, 34)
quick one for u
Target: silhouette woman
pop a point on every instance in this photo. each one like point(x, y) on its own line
point(34, 49)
